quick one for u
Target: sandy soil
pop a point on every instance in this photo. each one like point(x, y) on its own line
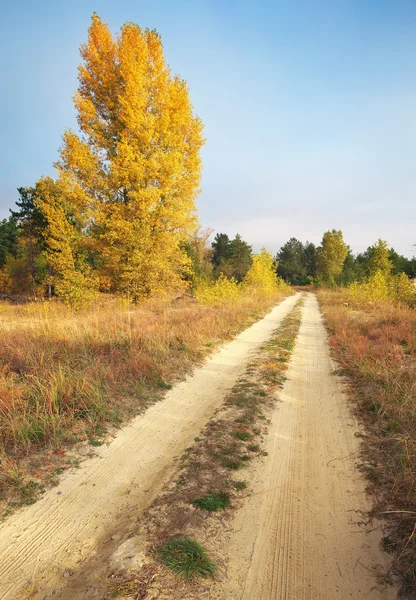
point(300, 534)
point(44, 544)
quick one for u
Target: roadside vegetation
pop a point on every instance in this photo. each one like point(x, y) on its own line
point(373, 336)
point(111, 290)
point(214, 474)
point(67, 376)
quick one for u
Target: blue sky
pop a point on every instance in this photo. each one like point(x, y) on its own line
point(309, 107)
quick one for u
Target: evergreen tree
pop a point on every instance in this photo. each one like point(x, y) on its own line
point(8, 239)
point(309, 259)
point(241, 257)
point(290, 261)
point(221, 249)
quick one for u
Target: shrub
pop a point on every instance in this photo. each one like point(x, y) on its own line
point(213, 292)
point(213, 502)
point(381, 287)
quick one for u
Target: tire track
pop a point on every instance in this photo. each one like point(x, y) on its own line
point(297, 536)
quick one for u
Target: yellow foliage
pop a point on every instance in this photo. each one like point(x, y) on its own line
point(402, 288)
point(330, 257)
point(381, 287)
point(261, 276)
point(135, 173)
point(380, 258)
point(68, 278)
point(221, 290)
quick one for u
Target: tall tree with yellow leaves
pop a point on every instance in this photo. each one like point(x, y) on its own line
point(134, 172)
point(330, 257)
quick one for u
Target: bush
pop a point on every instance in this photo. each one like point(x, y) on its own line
point(212, 292)
point(381, 287)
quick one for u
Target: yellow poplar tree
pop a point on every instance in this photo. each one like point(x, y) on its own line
point(135, 169)
point(331, 256)
point(261, 276)
point(380, 258)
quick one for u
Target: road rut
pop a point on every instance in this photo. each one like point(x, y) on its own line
point(299, 534)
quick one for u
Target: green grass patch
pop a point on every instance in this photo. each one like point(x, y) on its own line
point(244, 436)
point(239, 485)
point(213, 501)
point(187, 558)
point(231, 463)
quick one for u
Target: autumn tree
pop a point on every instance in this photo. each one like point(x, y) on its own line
point(331, 256)
point(261, 276)
point(134, 172)
point(379, 258)
point(68, 273)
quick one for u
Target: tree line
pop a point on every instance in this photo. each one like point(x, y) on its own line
point(24, 267)
point(302, 263)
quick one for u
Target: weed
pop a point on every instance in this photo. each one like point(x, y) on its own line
point(95, 443)
point(187, 558)
point(253, 447)
point(232, 464)
point(239, 485)
point(244, 436)
point(163, 385)
point(213, 502)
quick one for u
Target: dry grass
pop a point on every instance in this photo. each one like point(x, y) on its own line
point(65, 376)
point(376, 347)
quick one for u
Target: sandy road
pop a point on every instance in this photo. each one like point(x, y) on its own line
point(43, 541)
point(298, 535)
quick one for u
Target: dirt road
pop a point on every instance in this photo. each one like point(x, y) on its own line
point(299, 534)
point(45, 542)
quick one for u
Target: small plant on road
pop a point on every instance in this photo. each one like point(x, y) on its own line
point(187, 558)
point(213, 501)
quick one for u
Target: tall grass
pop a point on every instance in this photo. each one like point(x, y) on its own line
point(376, 347)
point(64, 375)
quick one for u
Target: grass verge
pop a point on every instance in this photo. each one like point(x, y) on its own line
point(67, 377)
point(213, 474)
point(375, 346)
